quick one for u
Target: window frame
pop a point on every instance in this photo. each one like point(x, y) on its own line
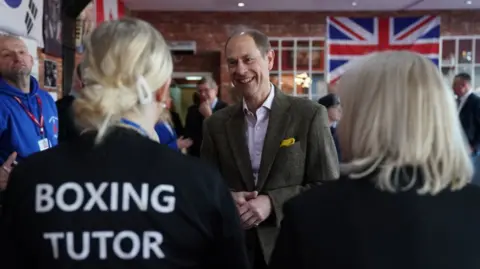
point(310, 72)
point(475, 39)
point(473, 65)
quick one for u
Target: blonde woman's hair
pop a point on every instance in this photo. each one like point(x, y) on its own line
point(118, 55)
point(399, 114)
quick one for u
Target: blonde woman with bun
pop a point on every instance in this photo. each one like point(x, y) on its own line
point(404, 199)
point(115, 197)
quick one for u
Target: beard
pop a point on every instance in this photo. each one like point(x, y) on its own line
point(19, 77)
point(17, 74)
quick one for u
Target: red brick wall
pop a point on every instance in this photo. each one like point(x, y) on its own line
point(210, 30)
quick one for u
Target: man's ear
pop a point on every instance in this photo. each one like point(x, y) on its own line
point(270, 59)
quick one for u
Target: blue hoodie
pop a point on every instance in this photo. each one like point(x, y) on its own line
point(17, 131)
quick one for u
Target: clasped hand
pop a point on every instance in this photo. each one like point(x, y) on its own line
point(253, 208)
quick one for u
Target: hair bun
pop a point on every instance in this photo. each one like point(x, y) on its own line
point(98, 102)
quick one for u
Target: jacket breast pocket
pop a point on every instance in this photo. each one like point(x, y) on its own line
point(290, 162)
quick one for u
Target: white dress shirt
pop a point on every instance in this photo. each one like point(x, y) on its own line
point(256, 129)
point(463, 100)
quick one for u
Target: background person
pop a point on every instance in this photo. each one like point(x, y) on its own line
point(204, 105)
point(28, 115)
point(334, 109)
point(468, 104)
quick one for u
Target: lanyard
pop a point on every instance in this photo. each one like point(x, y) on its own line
point(40, 123)
point(134, 125)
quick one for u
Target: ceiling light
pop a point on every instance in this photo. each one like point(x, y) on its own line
point(468, 2)
point(190, 78)
point(241, 4)
point(354, 3)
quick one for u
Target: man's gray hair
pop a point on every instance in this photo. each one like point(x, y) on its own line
point(211, 83)
point(8, 35)
point(261, 40)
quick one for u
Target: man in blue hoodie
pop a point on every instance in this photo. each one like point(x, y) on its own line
point(28, 115)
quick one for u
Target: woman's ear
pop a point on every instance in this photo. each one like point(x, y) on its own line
point(163, 92)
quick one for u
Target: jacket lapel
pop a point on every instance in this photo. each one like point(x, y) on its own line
point(279, 120)
point(236, 136)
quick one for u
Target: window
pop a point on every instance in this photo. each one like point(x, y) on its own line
point(461, 54)
point(299, 66)
point(299, 63)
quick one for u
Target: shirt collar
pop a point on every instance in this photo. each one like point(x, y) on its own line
point(214, 103)
point(268, 102)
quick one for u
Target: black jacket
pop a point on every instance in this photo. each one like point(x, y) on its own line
point(177, 124)
point(350, 224)
point(333, 130)
point(470, 120)
point(150, 206)
point(194, 126)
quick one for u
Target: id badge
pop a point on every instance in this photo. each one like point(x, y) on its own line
point(43, 144)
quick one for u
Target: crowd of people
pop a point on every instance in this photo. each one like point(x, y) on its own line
point(375, 176)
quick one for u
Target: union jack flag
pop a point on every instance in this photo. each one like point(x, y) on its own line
point(350, 38)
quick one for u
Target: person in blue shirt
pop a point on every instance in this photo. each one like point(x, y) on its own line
point(167, 136)
point(28, 115)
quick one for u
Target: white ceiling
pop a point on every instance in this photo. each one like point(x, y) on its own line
point(299, 5)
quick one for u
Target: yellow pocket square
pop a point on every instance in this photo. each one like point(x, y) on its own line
point(287, 142)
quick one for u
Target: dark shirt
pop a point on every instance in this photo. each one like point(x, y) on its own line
point(126, 203)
